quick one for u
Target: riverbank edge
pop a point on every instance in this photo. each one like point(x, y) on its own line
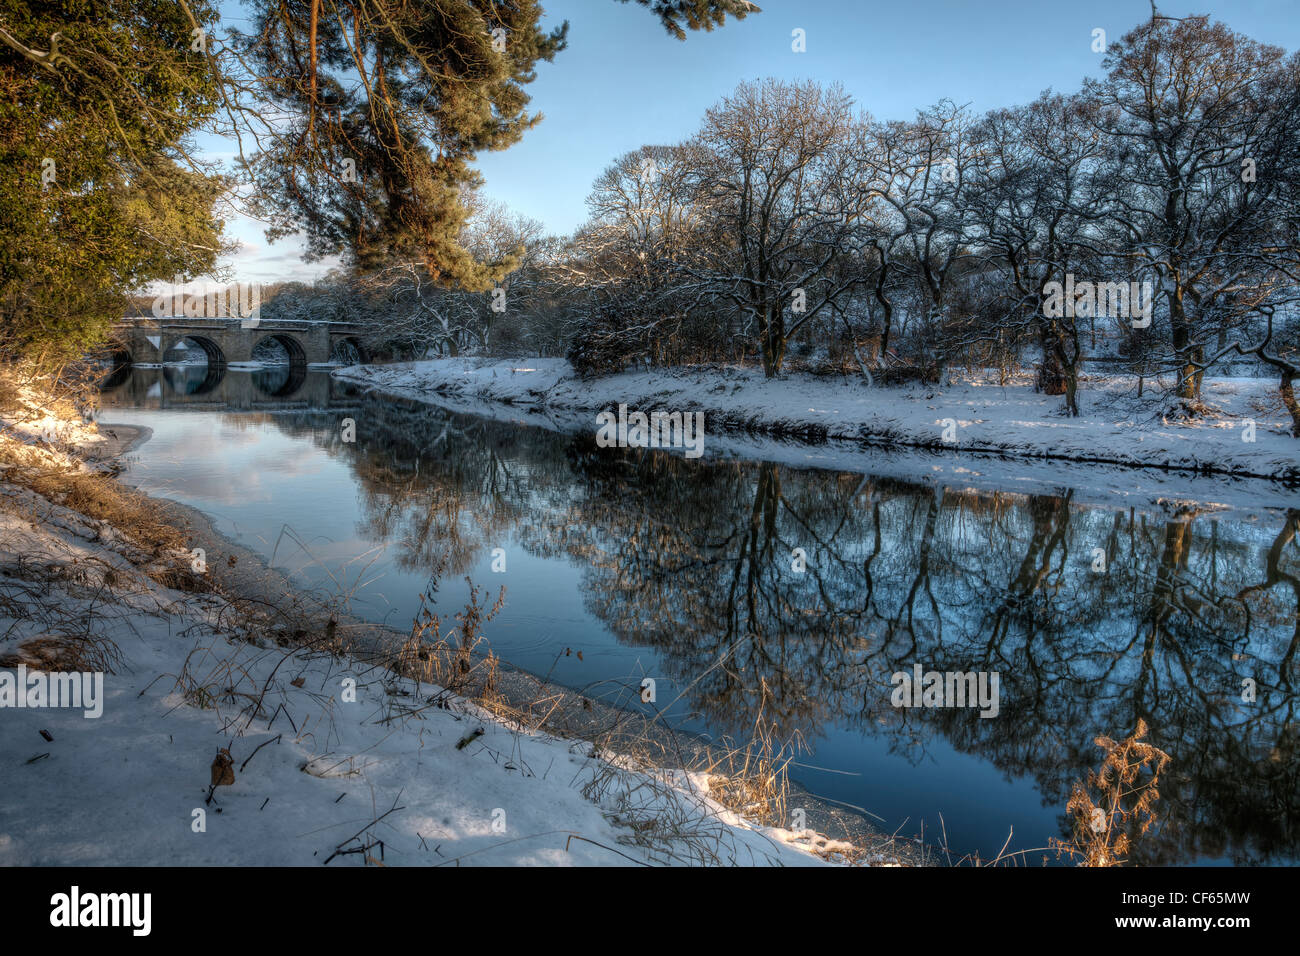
point(233, 568)
point(1172, 493)
point(549, 385)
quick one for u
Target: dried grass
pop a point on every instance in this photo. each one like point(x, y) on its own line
point(1117, 804)
point(66, 653)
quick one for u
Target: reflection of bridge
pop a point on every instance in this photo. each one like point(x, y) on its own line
point(191, 386)
point(147, 340)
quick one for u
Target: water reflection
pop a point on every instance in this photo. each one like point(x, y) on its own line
point(280, 381)
point(270, 387)
point(201, 378)
point(1093, 618)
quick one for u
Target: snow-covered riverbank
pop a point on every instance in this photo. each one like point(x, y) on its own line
point(1009, 438)
point(317, 754)
point(1115, 427)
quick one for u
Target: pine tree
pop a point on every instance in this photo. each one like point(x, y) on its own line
point(386, 102)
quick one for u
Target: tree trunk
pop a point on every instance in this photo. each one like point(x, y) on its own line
point(888, 321)
point(1287, 389)
point(1189, 376)
point(1050, 379)
point(772, 334)
point(1072, 390)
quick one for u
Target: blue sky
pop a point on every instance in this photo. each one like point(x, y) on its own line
point(624, 82)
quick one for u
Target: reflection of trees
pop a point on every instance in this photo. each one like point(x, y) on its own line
point(693, 558)
point(440, 490)
point(696, 561)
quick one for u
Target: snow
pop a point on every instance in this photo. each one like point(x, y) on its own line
point(1007, 437)
point(40, 425)
point(320, 774)
point(123, 789)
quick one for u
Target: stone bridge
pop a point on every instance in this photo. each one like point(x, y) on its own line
point(226, 341)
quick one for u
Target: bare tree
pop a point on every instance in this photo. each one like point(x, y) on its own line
point(1042, 187)
point(1189, 110)
point(633, 262)
point(781, 180)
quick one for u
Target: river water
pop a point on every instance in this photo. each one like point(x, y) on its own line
point(684, 571)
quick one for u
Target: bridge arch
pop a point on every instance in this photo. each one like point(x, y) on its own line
point(297, 354)
point(348, 350)
point(117, 363)
point(211, 350)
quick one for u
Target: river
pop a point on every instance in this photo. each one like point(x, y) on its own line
point(688, 572)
